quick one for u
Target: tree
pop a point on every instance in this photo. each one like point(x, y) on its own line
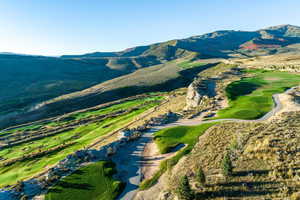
point(200, 176)
point(184, 190)
point(227, 165)
point(19, 186)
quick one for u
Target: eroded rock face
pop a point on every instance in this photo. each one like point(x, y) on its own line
point(193, 98)
point(198, 91)
point(296, 94)
point(166, 195)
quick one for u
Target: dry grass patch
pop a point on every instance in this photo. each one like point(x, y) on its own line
point(265, 158)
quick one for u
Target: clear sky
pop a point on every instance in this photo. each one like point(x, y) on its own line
point(55, 27)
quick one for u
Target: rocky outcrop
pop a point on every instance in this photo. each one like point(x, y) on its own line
point(198, 91)
point(296, 94)
point(162, 119)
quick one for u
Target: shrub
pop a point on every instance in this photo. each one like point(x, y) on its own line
point(19, 186)
point(184, 190)
point(24, 197)
point(295, 196)
point(200, 176)
point(227, 165)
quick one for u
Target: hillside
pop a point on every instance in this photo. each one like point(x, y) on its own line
point(164, 77)
point(27, 80)
point(155, 132)
point(225, 43)
point(40, 89)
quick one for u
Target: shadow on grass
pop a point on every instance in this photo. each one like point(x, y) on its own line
point(78, 172)
point(240, 88)
point(248, 184)
point(81, 186)
point(234, 193)
point(248, 172)
point(54, 190)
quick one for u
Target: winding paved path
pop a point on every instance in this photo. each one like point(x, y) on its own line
point(128, 158)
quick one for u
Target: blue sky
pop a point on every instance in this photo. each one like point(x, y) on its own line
point(55, 27)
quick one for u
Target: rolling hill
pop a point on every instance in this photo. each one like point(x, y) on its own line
point(31, 86)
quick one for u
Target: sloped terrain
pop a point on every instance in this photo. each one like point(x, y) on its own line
point(36, 148)
point(264, 157)
point(164, 77)
point(28, 80)
point(42, 78)
point(29, 150)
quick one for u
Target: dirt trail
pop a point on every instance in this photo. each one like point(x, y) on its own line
point(152, 158)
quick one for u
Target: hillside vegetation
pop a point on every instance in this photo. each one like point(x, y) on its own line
point(263, 156)
point(28, 80)
point(164, 77)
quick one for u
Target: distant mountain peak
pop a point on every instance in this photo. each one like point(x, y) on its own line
point(282, 26)
point(284, 30)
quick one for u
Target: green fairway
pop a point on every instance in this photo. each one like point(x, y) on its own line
point(82, 136)
point(116, 107)
point(251, 98)
point(169, 138)
point(94, 181)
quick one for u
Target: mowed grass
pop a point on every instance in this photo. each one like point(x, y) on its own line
point(167, 139)
point(251, 98)
point(94, 181)
point(85, 135)
point(116, 107)
point(24, 128)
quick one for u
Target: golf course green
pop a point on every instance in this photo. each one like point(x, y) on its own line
point(251, 97)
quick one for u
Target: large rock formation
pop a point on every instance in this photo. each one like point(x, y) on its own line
point(198, 91)
point(296, 94)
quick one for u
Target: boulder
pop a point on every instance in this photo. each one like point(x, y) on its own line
point(196, 93)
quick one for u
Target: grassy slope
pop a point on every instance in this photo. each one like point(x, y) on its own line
point(169, 138)
point(87, 134)
point(165, 77)
point(94, 181)
point(251, 98)
point(188, 64)
point(26, 80)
